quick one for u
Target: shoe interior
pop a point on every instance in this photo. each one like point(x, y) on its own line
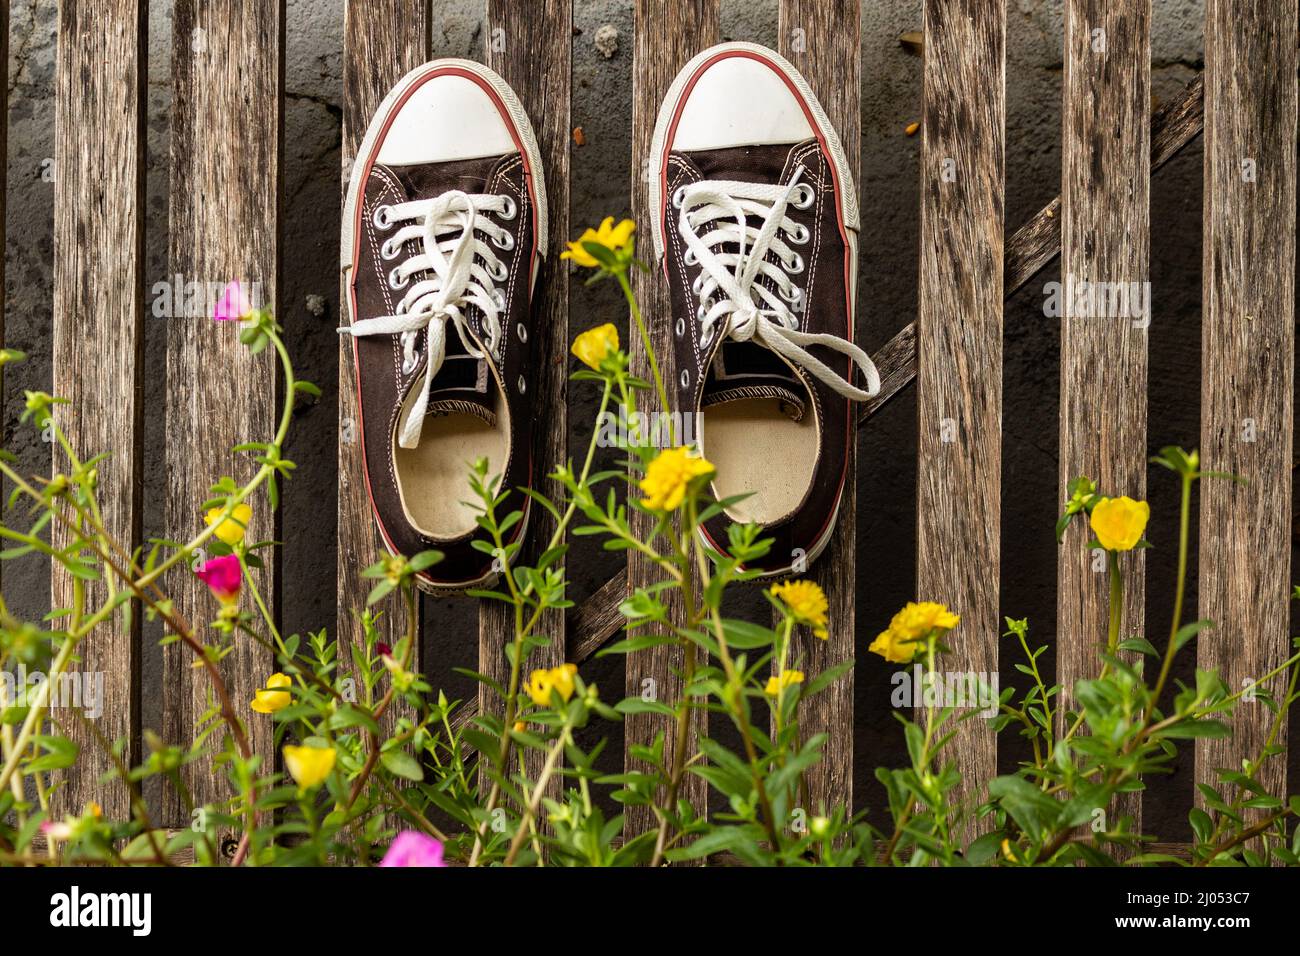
point(757, 448)
point(433, 478)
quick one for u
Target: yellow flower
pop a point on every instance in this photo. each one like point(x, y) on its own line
point(270, 700)
point(309, 765)
point(787, 678)
point(668, 477)
point(593, 345)
point(806, 601)
point(562, 679)
point(612, 237)
point(93, 809)
point(1118, 523)
point(542, 682)
point(231, 530)
point(910, 629)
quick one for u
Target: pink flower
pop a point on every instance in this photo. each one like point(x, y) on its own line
point(413, 849)
point(223, 577)
point(233, 304)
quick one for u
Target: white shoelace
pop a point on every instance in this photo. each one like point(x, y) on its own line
point(446, 228)
point(746, 308)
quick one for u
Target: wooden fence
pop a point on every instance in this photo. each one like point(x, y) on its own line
point(228, 74)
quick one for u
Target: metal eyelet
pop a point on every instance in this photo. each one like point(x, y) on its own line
point(504, 241)
point(689, 257)
point(679, 197)
point(498, 299)
point(521, 385)
point(703, 310)
point(380, 218)
point(685, 378)
point(680, 328)
point(395, 282)
point(511, 209)
point(707, 338)
point(807, 196)
point(521, 332)
point(408, 365)
point(800, 234)
point(498, 271)
point(389, 251)
point(795, 265)
point(698, 285)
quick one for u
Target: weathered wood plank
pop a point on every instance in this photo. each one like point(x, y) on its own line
point(668, 34)
point(227, 119)
point(383, 40)
point(1248, 344)
point(1033, 246)
point(1106, 238)
point(97, 342)
point(959, 340)
point(529, 45)
point(824, 42)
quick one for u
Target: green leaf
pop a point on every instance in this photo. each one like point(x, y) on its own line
point(402, 764)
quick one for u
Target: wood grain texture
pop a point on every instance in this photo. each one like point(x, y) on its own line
point(97, 340)
point(1248, 344)
point(668, 34)
point(959, 342)
point(1029, 250)
point(1105, 238)
point(529, 45)
point(383, 40)
point(227, 76)
point(823, 39)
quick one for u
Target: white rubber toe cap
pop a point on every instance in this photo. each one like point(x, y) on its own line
point(448, 118)
point(740, 101)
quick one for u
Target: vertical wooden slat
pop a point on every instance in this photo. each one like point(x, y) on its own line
point(668, 34)
point(383, 40)
point(959, 339)
point(1248, 338)
point(1105, 225)
point(98, 282)
point(529, 45)
point(823, 40)
point(227, 119)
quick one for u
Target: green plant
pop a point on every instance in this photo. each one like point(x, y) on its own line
point(370, 748)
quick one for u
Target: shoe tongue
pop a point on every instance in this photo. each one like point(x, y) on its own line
point(746, 164)
point(425, 181)
point(743, 370)
point(463, 386)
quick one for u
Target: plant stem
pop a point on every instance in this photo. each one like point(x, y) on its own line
point(649, 350)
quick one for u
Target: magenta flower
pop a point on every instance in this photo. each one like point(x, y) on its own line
point(233, 304)
point(413, 849)
point(223, 577)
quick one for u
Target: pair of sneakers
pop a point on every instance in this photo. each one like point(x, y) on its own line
point(755, 222)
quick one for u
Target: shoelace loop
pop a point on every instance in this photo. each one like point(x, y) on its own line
point(452, 278)
point(746, 309)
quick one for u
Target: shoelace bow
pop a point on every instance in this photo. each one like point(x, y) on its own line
point(453, 278)
point(748, 309)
